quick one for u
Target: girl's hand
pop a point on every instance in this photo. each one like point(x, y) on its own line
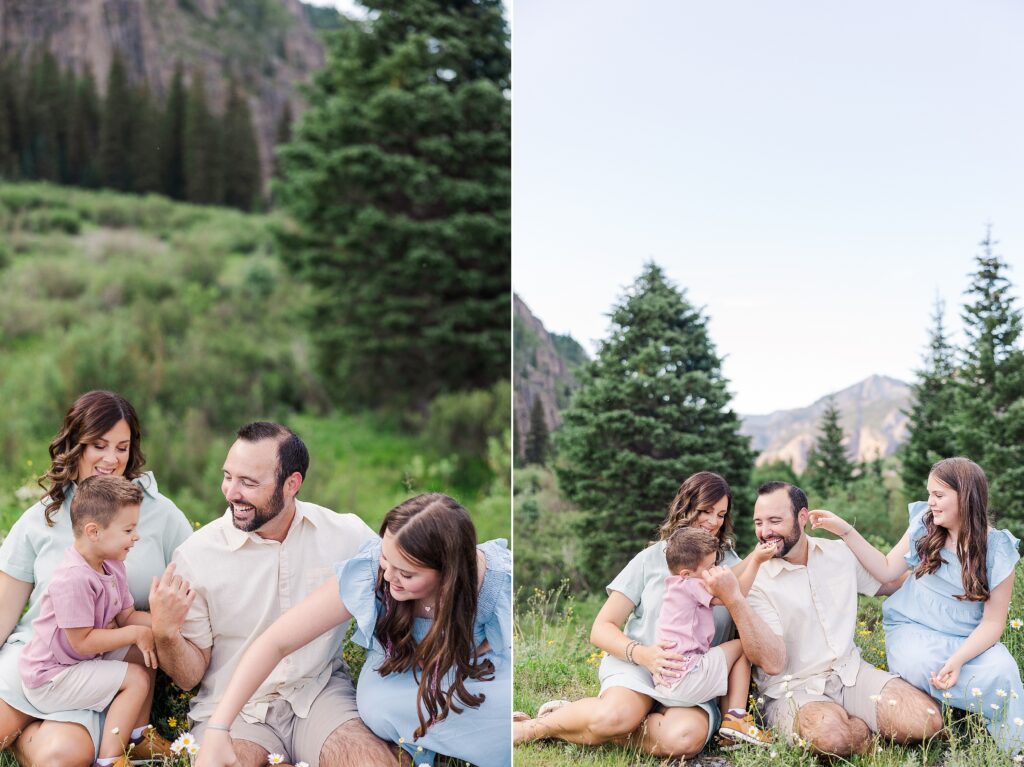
point(215, 750)
point(763, 552)
point(659, 660)
point(826, 520)
point(946, 676)
point(145, 642)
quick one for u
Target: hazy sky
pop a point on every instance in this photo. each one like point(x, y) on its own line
point(813, 173)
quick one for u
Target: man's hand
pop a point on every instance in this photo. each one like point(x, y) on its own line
point(170, 596)
point(722, 583)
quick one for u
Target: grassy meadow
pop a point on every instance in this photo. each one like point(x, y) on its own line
point(554, 657)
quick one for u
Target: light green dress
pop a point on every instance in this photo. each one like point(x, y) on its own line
point(642, 582)
point(32, 551)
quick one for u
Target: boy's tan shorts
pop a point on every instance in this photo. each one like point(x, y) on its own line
point(708, 680)
point(89, 684)
point(780, 713)
point(300, 738)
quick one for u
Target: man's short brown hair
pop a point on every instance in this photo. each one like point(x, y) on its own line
point(687, 547)
point(99, 498)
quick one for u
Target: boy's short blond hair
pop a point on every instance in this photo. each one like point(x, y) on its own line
point(99, 498)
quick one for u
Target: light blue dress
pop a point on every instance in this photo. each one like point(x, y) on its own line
point(32, 551)
point(925, 624)
point(642, 582)
point(387, 704)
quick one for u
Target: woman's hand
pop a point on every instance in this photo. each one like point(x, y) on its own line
point(826, 520)
point(946, 676)
point(216, 750)
point(660, 660)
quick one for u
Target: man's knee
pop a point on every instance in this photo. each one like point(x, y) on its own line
point(913, 716)
point(830, 730)
point(682, 742)
point(352, 744)
point(249, 754)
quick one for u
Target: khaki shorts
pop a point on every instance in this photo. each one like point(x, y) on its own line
point(708, 680)
point(300, 739)
point(89, 684)
point(780, 713)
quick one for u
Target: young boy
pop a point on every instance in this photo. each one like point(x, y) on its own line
point(91, 648)
point(687, 619)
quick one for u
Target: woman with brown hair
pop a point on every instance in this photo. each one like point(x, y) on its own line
point(628, 707)
point(100, 435)
point(434, 611)
point(942, 627)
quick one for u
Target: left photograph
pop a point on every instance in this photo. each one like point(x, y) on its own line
point(255, 354)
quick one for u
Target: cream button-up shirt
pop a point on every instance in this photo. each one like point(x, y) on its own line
point(814, 609)
point(243, 583)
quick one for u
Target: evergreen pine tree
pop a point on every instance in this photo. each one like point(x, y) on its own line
point(828, 466)
point(44, 115)
point(199, 130)
point(241, 152)
point(84, 133)
point(990, 397)
point(116, 129)
point(145, 148)
point(173, 147)
point(933, 410)
point(399, 176)
point(7, 118)
point(652, 409)
point(537, 438)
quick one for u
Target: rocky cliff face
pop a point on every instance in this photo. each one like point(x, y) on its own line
point(267, 44)
point(540, 371)
point(872, 419)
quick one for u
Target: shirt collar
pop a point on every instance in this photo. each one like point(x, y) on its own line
point(236, 538)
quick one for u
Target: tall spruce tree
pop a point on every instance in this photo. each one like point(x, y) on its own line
point(241, 153)
point(652, 409)
point(932, 413)
point(990, 397)
point(146, 149)
point(537, 438)
point(84, 133)
point(399, 176)
point(828, 466)
point(116, 129)
point(173, 154)
point(200, 145)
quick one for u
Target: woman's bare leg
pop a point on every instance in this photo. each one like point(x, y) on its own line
point(12, 722)
point(55, 744)
point(614, 715)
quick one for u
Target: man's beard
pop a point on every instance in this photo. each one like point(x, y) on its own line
point(260, 516)
point(788, 541)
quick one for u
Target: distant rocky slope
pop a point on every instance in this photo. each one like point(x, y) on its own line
point(269, 45)
point(872, 419)
point(544, 366)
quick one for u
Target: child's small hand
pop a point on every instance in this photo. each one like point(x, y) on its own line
point(946, 676)
point(145, 642)
point(764, 551)
point(826, 520)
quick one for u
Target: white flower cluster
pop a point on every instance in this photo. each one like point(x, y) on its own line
point(186, 743)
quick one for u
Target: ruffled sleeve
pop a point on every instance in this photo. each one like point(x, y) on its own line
point(357, 581)
point(1002, 556)
point(916, 529)
point(494, 608)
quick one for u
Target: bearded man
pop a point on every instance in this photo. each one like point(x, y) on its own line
point(238, 574)
point(826, 693)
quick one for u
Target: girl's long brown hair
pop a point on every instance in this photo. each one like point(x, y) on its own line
point(434, 531)
point(699, 492)
point(968, 480)
point(91, 416)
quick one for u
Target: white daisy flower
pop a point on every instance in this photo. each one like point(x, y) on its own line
point(1019, 722)
point(1000, 693)
point(976, 692)
point(275, 759)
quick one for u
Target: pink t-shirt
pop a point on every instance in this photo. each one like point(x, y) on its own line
point(686, 618)
point(76, 597)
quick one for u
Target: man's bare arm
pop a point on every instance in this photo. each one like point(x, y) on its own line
point(170, 597)
point(762, 646)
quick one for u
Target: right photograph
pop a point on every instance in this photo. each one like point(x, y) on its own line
point(768, 382)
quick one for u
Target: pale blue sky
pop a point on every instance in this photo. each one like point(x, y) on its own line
point(813, 173)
